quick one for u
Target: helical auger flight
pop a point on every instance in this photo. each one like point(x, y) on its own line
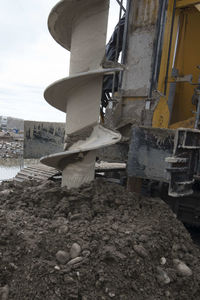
point(80, 26)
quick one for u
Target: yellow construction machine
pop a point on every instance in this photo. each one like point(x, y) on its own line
point(156, 107)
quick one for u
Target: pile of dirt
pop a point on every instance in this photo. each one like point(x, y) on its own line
point(96, 242)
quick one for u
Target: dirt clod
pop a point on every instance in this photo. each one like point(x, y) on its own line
point(125, 246)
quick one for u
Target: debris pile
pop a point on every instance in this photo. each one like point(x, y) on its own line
point(12, 149)
point(95, 242)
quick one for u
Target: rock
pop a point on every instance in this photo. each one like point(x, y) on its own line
point(4, 292)
point(73, 297)
point(69, 280)
point(115, 226)
point(140, 250)
point(128, 232)
point(63, 229)
point(86, 253)
point(110, 252)
point(182, 268)
point(13, 266)
point(62, 257)
point(75, 217)
point(111, 295)
point(75, 250)
point(162, 276)
point(75, 261)
point(163, 261)
point(167, 294)
point(120, 255)
point(5, 192)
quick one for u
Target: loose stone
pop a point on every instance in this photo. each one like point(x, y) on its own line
point(163, 261)
point(62, 257)
point(5, 192)
point(68, 279)
point(111, 295)
point(162, 276)
point(75, 261)
point(140, 250)
point(75, 217)
point(63, 229)
point(75, 250)
point(182, 268)
point(167, 294)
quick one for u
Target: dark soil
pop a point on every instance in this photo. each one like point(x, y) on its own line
point(126, 245)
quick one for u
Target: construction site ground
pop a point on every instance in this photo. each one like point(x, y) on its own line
point(95, 242)
point(11, 145)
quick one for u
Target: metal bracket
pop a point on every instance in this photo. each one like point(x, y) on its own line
point(185, 78)
point(184, 162)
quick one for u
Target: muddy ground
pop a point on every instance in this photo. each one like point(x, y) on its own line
point(96, 242)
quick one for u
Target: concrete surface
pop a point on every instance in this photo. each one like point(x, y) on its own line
point(42, 138)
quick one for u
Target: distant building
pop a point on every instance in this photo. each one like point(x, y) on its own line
point(10, 124)
point(4, 122)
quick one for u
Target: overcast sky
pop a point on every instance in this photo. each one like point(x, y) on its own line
point(30, 59)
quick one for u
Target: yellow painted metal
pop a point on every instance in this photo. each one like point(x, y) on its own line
point(161, 114)
point(184, 3)
point(189, 123)
point(187, 59)
point(126, 99)
point(163, 67)
point(186, 26)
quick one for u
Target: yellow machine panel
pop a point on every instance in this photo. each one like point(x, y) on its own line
point(181, 51)
point(187, 60)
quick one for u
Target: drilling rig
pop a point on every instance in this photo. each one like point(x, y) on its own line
point(152, 119)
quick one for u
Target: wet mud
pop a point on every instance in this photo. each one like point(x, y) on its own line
point(96, 242)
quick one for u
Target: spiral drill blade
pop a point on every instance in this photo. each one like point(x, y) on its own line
point(80, 26)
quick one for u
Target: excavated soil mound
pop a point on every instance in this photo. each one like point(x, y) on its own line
point(96, 242)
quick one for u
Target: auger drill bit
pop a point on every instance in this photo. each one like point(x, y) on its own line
point(80, 26)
